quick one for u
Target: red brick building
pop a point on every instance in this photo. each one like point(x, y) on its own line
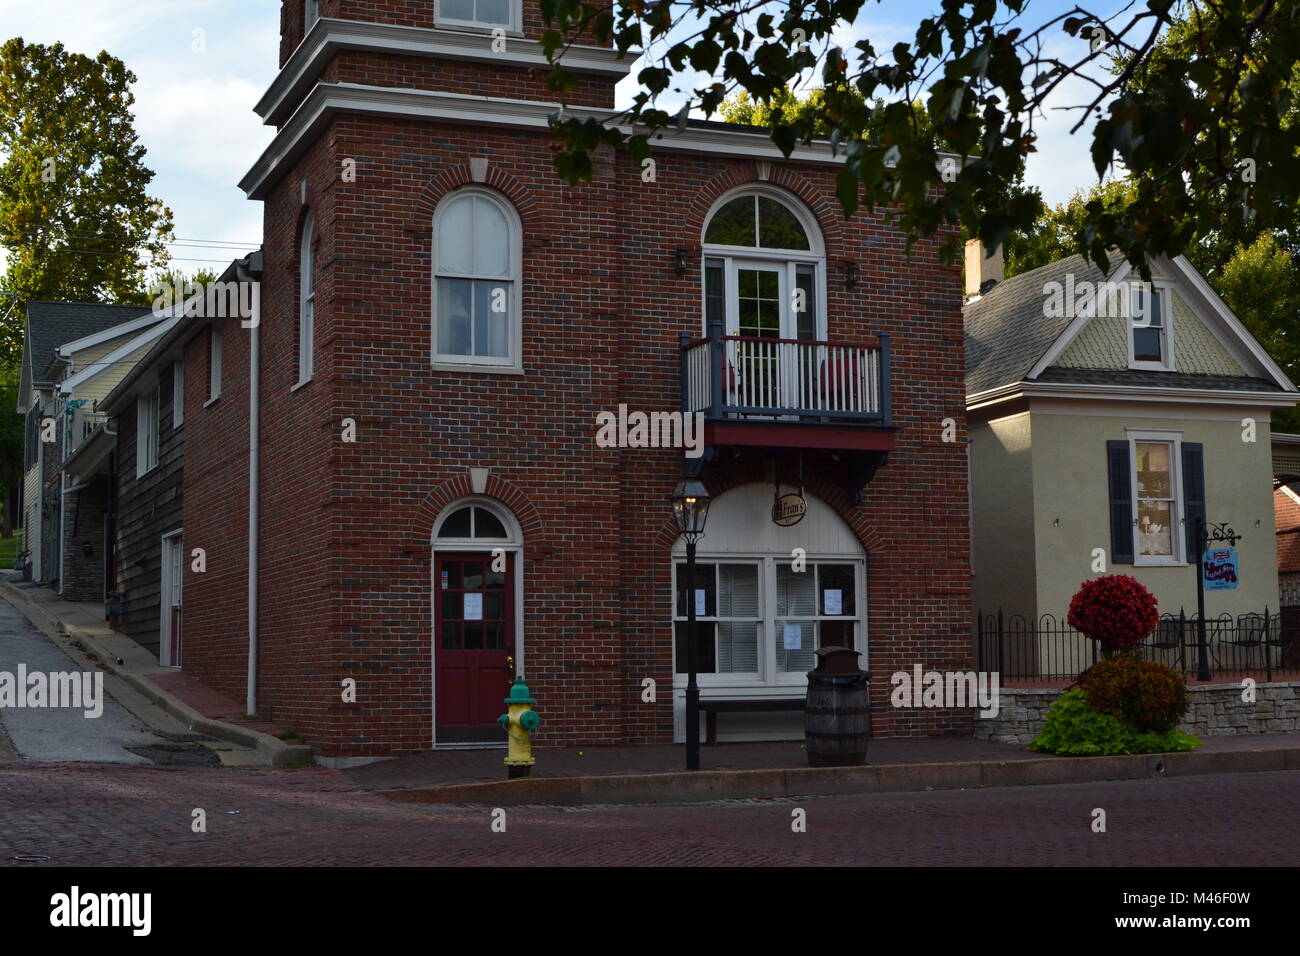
point(442, 324)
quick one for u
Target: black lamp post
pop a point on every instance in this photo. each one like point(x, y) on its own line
point(690, 510)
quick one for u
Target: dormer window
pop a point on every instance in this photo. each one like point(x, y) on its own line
point(1149, 340)
point(485, 14)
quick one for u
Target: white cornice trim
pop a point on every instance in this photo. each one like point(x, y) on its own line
point(327, 99)
point(1129, 393)
point(115, 357)
point(304, 67)
point(113, 332)
point(1239, 332)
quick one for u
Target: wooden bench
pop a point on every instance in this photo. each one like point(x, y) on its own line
point(713, 706)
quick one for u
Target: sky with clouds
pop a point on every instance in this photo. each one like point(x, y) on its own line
point(202, 64)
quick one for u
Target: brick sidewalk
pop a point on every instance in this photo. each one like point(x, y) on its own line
point(449, 767)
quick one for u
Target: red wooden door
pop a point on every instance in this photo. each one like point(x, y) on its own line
point(474, 645)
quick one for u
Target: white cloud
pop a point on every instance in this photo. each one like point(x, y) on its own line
point(193, 110)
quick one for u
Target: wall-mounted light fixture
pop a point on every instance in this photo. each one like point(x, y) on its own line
point(87, 549)
point(850, 274)
point(682, 261)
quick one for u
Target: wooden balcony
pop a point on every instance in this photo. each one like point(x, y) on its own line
point(789, 393)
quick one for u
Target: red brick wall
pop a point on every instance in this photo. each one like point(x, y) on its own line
point(215, 508)
point(346, 527)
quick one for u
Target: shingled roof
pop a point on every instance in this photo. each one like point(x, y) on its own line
point(52, 324)
point(1006, 331)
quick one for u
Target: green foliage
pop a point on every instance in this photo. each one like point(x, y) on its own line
point(1143, 694)
point(11, 445)
point(163, 288)
point(1058, 230)
point(1183, 124)
point(10, 548)
point(1261, 284)
point(75, 216)
point(1075, 729)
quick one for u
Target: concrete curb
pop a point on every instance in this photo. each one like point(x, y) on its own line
point(277, 753)
point(707, 785)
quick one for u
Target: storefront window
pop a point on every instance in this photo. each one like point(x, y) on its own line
point(764, 619)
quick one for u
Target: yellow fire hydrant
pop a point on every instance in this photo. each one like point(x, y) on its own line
point(519, 725)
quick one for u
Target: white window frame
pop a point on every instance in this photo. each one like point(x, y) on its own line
point(171, 581)
point(178, 394)
point(512, 363)
point(147, 427)
point(1177, 531)
point(214, 365)
point(790, 258)
point(1165, 292)
point(768, 676)
point(515, 26)
point(311, 13)
point(306, 304)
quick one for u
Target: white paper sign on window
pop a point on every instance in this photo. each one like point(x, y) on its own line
point(793, 637)
point(834, 601)
point(473, 607)
point(701, 602)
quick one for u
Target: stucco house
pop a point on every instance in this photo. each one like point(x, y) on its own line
point(1107, 416)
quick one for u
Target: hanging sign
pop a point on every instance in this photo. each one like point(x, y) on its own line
point(789, 510)
point(1219, 569)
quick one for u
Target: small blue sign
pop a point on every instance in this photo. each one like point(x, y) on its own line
point(1219, 569)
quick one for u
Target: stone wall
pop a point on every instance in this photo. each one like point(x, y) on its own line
point(1215, 711)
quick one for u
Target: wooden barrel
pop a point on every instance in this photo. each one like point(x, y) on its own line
point(837, 720)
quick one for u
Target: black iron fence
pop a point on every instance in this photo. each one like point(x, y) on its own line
point(1047, 648)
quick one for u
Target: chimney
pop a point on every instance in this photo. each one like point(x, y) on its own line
point(983, 272)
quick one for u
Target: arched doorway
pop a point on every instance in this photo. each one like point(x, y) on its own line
point(477, 620)
point(766, 598)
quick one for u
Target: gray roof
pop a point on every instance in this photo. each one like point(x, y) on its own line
point(1140, 378)
point(52, 324)
point(1006, 331)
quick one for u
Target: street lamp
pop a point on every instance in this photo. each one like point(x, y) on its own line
point(690, 511)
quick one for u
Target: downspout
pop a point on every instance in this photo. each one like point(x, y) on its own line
point(254, 456)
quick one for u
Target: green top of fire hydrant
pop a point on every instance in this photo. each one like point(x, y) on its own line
point(519, 693)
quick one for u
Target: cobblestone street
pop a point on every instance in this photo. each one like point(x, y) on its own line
point(81, 814)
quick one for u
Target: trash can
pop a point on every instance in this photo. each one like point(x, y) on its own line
point(837, 715)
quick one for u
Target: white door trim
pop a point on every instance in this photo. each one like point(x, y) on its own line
point(164, 595)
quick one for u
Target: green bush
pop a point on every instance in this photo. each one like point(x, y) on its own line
point(1143, 694)
point(1073, 728)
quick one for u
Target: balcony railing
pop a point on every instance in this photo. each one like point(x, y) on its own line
point(736, 376)
point(81, 422)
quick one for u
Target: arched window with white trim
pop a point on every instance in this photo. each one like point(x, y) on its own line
point(764, 265)
point(765, 287)
point(306, 303)
point(477, 251)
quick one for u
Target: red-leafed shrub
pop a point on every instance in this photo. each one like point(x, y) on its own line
point(1145, 695)
point(1115, 609)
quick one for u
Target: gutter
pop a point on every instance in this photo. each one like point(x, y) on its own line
point(1170, 394)
point(245, 274)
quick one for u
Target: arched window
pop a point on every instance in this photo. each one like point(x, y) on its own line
point(764, 267)
point(306, 303)
point(473, 523)
point(476, 295)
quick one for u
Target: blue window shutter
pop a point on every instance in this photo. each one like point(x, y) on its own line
point(1121, 502)
point(1193, 494)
